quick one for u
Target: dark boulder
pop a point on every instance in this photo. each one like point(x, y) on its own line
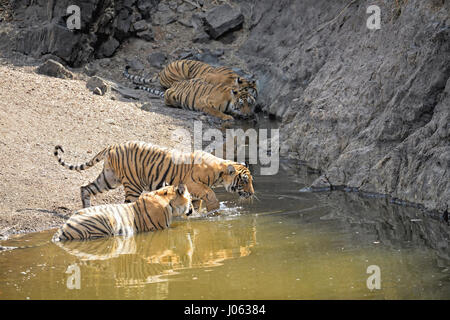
point(147, 7)
point(209, 56)
point(157, 59)
point(146, 35)
point(135, 64)
point(123, 24)
point(108, 48)
point(140, 25)
point(222, 19)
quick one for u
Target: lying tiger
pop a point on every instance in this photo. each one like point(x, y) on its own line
point(180, 70)
point(152, 211)
point(219, 101)
point(140, 166)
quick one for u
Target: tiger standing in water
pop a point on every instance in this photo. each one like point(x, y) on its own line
point(152, 211)
point(140, 166)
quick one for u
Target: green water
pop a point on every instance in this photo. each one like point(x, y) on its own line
point(287, 245)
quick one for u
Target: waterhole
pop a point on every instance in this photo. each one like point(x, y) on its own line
point(286, 245)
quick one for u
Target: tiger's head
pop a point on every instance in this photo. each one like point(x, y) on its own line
point(180, 199)
point(242, 103)
point(237, 178)
point(249, 85)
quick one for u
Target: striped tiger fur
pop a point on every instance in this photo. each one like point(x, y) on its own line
point(140, 166)
point(152, 211)
point(180, 70)
point(219, 101)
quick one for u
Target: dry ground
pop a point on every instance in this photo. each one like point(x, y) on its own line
point(38, 112)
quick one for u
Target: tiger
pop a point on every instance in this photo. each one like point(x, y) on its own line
point(141, 166)
point(224, 75)
point(191, 69)
point(219, 101)
point(152, 211)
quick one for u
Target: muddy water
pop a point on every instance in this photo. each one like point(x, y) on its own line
point(287, 245)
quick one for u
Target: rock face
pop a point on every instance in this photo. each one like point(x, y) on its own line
point(370, 108)
point(104, 25)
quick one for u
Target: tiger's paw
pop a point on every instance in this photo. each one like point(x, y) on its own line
point(227, 117)
point(227, 123)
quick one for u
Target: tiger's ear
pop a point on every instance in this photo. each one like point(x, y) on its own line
point(245, 164)
point(238, 80)
point(231, 169)
point(181, 189)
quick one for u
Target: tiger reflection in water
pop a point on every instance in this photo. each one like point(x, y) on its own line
point(150, 257)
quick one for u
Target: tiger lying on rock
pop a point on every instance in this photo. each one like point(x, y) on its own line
point(152, 211)
point(140, 166)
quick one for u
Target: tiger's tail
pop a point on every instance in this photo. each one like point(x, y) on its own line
point(152, 91)
point(136, 79)
point(100, 156)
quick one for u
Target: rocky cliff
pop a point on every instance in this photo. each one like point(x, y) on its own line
point(41, 27)
point(369, 108)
